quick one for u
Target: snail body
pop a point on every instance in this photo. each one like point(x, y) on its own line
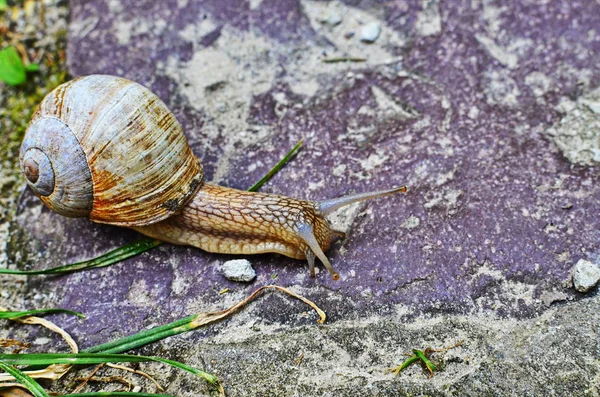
point(107, 148)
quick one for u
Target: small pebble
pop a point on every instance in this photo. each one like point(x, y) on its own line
point(238, 270)
point(348, 35)
point(370, 32)
point(585, 275)
point(411, 222)
point(221, 107)
point(333, 19)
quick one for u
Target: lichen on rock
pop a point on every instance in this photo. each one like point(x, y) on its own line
point(577, 135)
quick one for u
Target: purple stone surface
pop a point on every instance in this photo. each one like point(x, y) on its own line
point(454, 100)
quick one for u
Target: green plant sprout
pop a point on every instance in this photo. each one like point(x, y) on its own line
point(12, 69)
point(423, 356)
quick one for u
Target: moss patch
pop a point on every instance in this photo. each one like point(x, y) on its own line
point(38, 31)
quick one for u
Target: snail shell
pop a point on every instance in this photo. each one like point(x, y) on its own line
point(107, 148)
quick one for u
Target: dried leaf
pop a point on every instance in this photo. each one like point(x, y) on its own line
point(14, 390)
point(13, 342)
point(52, 327)
point(52, 372)
point(210, 317)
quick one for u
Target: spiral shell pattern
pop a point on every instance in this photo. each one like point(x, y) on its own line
point(108, 148)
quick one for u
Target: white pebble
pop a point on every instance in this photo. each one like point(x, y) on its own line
point(411, 222)
point(585, 275)
point(370, 32)
point(333, 19)
point(238, 270)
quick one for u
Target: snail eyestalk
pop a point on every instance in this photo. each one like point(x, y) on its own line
point(328, 206)
point(305, 231)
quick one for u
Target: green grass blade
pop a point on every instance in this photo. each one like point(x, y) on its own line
point(111, 257)
point(40, 359)
point(405, 364)
point(25, 380)
point(43, 359)
point(143, 338)
point(210, 378)
point(277, 167)
point(430, 366)
point(12, 315)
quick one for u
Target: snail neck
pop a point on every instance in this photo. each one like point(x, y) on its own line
point(224, 220)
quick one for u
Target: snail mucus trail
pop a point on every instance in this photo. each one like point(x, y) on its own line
point(107, 148)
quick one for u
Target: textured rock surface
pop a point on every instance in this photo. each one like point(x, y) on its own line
point(456, 99)
point(578, 133)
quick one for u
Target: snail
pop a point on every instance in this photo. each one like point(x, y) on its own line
point(107, 148)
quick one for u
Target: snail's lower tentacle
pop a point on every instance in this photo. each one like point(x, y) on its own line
point(306, 232)
point(310, 257)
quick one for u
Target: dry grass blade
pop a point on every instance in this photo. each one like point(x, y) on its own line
point(52, 327)
point(14, 390)
point(138, 372)
point(85, 380)
point(187, 324)
point(52, 372)
point(108, 379)
point(18, 345)
point(210, 317)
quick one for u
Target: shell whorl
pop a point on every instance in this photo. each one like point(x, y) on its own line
point(116, 153)
point(56, 169)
